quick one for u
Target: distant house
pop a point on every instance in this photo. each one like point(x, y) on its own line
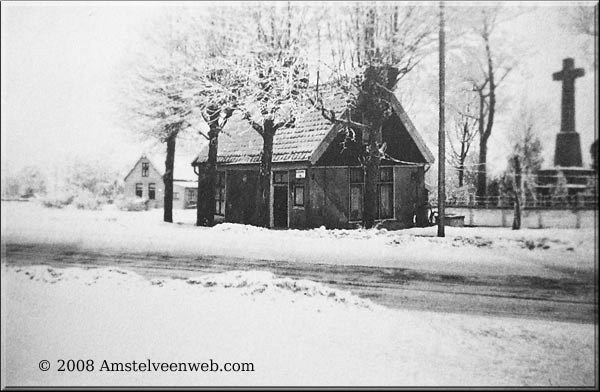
point(314, 183)
point(145, 180)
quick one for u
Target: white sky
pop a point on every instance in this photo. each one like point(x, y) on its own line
point(59, 67)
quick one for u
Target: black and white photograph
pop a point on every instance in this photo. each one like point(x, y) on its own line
point(299, 194)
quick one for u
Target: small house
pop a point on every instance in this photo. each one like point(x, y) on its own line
point(145, 180)
point(315, 182)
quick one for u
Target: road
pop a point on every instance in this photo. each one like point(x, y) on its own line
point(566, 299)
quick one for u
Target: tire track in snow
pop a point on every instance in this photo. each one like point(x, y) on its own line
point(564, 299)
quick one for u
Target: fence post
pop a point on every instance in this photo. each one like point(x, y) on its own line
point(539, 214)
point(503, 217)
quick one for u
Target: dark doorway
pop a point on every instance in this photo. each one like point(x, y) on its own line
point(280, 206)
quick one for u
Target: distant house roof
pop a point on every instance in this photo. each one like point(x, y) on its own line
point(186, 184)
point(306, 140)
point(182, 169)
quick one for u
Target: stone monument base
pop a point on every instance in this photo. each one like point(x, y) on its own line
point(567, 152)
point(576, 180)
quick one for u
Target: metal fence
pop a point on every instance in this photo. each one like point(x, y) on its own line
point(570, 202)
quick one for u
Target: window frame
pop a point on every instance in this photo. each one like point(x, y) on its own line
point(361, 188)
point(295, 198)
point(191, 193)
point(152, 191)
point(145, 169)
point(220, 194)
point(385, 178)
point(139, 189)
point(281, 177)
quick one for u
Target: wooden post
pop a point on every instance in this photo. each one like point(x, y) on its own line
point(441, 138)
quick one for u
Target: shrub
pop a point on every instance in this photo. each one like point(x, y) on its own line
point(57, 200)
point(86, 200)
point(131, 204)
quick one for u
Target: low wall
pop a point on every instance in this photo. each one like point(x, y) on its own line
point(534, 218)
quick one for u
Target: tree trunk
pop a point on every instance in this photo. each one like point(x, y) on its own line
point(200, 170)
point(463, 156)
point(482, 172)
point(265, 173)
point(371, 179)
point(168, 178)
point(517, 213)
point(211, 176)
point(517, 194)
point(485, 135)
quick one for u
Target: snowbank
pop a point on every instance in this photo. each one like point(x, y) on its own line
point(294, 333)
point(490, 251)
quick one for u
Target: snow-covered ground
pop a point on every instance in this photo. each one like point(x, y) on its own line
point(294, 333)
point(491, 251)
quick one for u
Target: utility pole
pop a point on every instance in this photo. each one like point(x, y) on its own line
point(442, 133)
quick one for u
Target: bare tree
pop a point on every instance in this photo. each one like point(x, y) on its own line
point(220, 82)
point(159, 103)
point(461, 140)
point(277, 79)
point(525, 160)
point(217, 104)
point(492, 72)
point(372, 48)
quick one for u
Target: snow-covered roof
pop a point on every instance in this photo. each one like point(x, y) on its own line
point(186, 184)
point(306, 140)
point(182, 169)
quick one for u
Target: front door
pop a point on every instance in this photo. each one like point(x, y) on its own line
point(280, 206)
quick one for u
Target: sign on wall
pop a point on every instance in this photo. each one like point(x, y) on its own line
point(301, 173)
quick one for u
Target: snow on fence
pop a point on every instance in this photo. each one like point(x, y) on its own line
point(530, 218)
point(566, 202)
point(572, 211)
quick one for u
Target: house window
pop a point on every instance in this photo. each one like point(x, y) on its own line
point(356, 202)
point(357, 175)
point(299, 195)
point(280, 177)
point(357, 179)
point(145, 169)
point(152, 191)
point(386, 174)
point(191, 194)
point(220, 194)
point(385, 201)
point(138, 190)
point(385, 193)
point(175, 195)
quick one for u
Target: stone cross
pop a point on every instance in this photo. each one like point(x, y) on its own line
point(568, 146)
point(568, 75)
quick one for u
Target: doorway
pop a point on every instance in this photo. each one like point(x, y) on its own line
point(280, 206)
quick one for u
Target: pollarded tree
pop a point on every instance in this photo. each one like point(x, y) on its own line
point(277, 79)
point(278, 84)
point(373, 48)
point(220, 82)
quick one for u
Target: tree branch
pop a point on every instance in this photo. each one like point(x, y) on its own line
point(256, 126)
